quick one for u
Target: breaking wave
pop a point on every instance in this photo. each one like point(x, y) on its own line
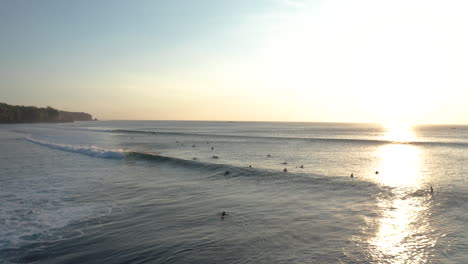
point(92, 151)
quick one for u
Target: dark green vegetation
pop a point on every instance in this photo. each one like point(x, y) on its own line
point(32, 114)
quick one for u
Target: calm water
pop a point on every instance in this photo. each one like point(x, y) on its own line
point(153, 192)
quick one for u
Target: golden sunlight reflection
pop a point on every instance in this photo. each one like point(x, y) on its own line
point(399, 132)
point(400, 165)
point(404, 231)
point(403, 234)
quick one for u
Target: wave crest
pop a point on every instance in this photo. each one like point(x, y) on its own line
point(92, 151)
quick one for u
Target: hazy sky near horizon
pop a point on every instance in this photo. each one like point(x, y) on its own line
point(265, 60)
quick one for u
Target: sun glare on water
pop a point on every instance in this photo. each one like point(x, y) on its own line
point(399, 132)
point(403, 233)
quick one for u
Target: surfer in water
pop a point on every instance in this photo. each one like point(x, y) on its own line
point(352, 175)
point(223, 214)
point(285, 170)
point(227, 172)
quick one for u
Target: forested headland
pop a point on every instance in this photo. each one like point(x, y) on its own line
point(32, 114)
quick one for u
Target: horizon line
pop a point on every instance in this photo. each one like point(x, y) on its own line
point(279, 121)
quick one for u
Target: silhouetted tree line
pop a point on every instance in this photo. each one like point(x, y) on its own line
point(32, 114)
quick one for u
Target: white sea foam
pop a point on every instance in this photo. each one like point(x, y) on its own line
point(34, 215)
point(92, 151)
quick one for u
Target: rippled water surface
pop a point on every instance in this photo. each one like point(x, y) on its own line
point(153, 192)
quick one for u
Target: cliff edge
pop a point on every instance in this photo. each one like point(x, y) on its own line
point(32, 114)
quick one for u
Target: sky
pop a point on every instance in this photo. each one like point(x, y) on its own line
point(264, 60)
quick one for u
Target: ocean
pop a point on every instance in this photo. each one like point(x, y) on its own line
point(154, 192)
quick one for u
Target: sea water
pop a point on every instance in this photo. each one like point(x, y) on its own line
point(153, 192)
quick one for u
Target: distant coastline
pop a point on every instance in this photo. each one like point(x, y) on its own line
point(33, 114)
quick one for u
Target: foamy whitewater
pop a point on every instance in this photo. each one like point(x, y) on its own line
point(154, 191)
